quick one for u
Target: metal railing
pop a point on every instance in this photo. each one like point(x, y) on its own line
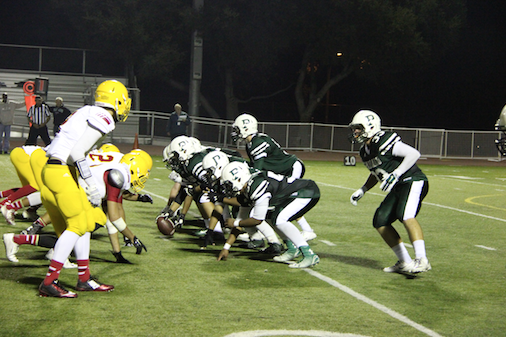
point(432, 143)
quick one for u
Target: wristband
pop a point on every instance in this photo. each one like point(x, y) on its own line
point(227, 246)
point(236, 222)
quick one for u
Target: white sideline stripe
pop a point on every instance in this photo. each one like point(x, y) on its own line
point(485, 247)
point(424, 202)
point(328, 243)
point(408, 245)
point(373, 303)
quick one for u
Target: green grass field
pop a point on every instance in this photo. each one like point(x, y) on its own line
point(176, 289)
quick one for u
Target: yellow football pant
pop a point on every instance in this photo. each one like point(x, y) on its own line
point(66, 202)
point(21, 162)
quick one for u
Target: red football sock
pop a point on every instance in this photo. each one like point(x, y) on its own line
point(53, 272)
point(21, 239)
point(6, 193)
point(83, 270)
point(15, 205)
point(20, 193)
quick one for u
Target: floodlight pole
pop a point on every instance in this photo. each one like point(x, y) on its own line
point(196, 66)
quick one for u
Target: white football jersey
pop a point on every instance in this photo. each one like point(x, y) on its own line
point(95, 157)
point(98, 174)
point(74, 127)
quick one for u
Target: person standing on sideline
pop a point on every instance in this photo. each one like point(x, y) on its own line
point(67, 203)
point(38, 116)
point(178, 122)
point(393, 163)
point(6, 120)
point(60, 114)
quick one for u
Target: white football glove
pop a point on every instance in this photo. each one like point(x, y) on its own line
point(356, 196)
point(389, 182)
point(175, 177)
point(93, 196)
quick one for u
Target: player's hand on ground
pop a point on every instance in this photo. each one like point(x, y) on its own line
point(223, 255)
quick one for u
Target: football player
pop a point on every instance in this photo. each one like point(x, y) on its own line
point(392, 163)
point(112, 179)
point(265, 154)
point(62, 197)
point(20, 158)
point(213, 164)
point(275, 197)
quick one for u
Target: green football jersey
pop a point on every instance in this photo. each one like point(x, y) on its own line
point(265, 154)
point(378, 158)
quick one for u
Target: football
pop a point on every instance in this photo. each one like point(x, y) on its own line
point(165, 226)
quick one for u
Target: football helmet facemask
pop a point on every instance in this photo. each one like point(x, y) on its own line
point(138, 168)
point(114, 95)
point(244, 125)
point(234, 177)
point(365, 124)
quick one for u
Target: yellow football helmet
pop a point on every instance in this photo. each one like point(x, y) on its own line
point(108, 147)
point(139, 170)
point(144, 155)
point(113, 94)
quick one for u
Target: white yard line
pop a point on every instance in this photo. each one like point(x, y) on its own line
point(425, 203)
point(375, 304)
point(485, 247)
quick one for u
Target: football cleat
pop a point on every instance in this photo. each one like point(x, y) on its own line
point(128, 242)
point(256, 244)
point(139, 246)
point(33, 229)
point(55, 289)
point(274, 249)
point(30, 214)
point(308, 236)
point(93, 285)
point(8, 215)
point(306, 262)
point(120, 259)
point(11, 248)
point(289, 255)
point(421, 265)
point(400, 267)
point(200, 233)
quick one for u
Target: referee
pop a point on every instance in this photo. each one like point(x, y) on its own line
point(38, 116)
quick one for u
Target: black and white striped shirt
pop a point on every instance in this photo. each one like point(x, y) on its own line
point(38, 114)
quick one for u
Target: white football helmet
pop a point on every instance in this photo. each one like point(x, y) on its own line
point(500, 125)
point(244, 125)
point(233, 178)
point(178, 151)
point(368, 122)
point(213, 163)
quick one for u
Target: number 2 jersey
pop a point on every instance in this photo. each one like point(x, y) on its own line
point(379, 159)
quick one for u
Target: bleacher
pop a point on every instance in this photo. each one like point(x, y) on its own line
point(76, 91)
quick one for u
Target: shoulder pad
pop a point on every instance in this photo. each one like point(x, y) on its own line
point(115, 179)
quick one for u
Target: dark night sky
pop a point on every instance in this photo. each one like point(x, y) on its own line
point(465, 91)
